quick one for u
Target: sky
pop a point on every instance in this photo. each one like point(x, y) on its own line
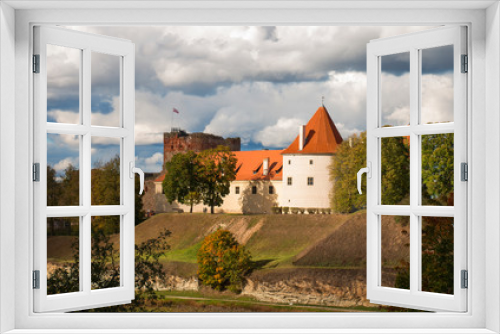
point(257, 83)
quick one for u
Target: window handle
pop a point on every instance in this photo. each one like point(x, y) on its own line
point(134, 170)
point(368, 171)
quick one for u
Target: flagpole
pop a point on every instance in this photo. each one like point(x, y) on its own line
point(172, 121)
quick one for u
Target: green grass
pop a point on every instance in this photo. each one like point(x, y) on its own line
point(183, 255)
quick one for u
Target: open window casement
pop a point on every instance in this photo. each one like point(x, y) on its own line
point(428, 71)
point(80, 133)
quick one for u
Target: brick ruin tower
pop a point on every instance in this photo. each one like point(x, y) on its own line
point(179, 141)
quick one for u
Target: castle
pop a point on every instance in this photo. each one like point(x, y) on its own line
point(297, 176)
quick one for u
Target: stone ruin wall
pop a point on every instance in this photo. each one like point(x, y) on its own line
point(175, 142)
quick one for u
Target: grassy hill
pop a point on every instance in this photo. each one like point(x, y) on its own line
point(277, 241)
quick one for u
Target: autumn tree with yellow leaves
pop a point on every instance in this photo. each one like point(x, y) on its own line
point(223, 262)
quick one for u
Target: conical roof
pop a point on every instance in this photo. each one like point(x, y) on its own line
point(322, 136)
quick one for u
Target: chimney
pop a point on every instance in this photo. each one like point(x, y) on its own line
point(265, 166)
point(302, 137)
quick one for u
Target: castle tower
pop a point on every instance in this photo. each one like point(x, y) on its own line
point(306, 177)
point(180, 141)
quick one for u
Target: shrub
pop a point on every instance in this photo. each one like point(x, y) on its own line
point(311, 211)
point(285, 210)
point(302, 210)
point(222, 262)
point(294, 210)
point(276, 209)
point(328, 211)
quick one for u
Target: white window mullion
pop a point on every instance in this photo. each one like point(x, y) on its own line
point(85, 183)
point(415, 264)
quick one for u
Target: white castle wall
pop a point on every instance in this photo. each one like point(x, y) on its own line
point(244, 202)
point(299, 194)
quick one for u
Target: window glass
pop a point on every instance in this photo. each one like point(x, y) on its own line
point(63, 84)
point(395, 89)
point(63, 255)
point(437, 85)
point(106, 104)
point(63, 170)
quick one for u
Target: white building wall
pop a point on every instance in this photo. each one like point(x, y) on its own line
point(299, 194)
point(244, 202)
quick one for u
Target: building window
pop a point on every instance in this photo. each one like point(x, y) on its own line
point(310, 181)
point(254, 190)
point(237, 190)
point(271, 190)
point(289, 162)
point(289, 181)
point(311, 162)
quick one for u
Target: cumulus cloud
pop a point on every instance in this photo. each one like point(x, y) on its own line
point(152, 164)
point(280, 134)
point(63, 164)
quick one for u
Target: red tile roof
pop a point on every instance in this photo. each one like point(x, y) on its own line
point(251, 163)
point(321, 135)
point(160, 178)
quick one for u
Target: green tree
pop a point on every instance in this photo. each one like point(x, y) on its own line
point(217, 168)
point(222, 262)
point(70, 187)
point(438, 169)
point(148, 270)
point(395, 154)
point(349, 158)
point(53, 187)
point(182, 182)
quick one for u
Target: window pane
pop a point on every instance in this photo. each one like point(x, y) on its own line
point(105, 171)
point(395, 231)
point(63, 174)
point(63, 255)
point(437, 254)
point(437, 169)
point(395, 89)
point(105, 90)
point(395, 170)
point(437, 85)
point(105, 252)
point(63, 84)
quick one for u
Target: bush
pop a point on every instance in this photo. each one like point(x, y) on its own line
point(222, 262)
point(294, 210)
point(328, 211)
point(311, 211)
point(285, 210)
point(276, 209)
point(302, 210)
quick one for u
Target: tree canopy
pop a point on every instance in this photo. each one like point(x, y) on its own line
point(182, 181)
point(222, 261)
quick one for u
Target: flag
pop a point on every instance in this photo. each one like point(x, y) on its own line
point(175, 111)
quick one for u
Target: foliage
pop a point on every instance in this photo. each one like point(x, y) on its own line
point(276, 209)
point(437, 169)
point(105, 190)
point(182, 181)
point(294, 210)
point(216, 171)
point(395, 169)
point(106, 272)
point(285, 209)
point(349, 158)
point(437, 257)
point(222, 262)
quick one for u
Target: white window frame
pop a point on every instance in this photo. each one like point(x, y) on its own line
point(124, 50)
point(483, 20)
point(415, 211)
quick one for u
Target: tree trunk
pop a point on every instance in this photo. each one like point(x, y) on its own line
point(212, 209)
point(191, 210)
